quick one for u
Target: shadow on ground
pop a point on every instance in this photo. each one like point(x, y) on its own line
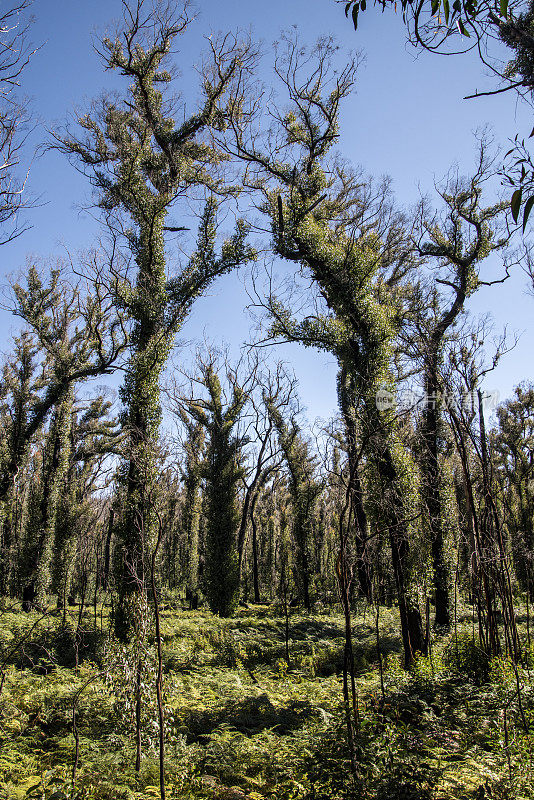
point(249, 716)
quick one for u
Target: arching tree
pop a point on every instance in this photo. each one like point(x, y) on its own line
point(312, 203)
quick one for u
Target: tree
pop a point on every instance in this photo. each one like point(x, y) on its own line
point(457, 243)
point(18, 388)
point(222, 471)
point(277, 389)
point(192, 477)
point(141, 162)
point(312, 204)
point(93, 438)
point(73, 333)
point(514, 448)
point(40, 534)
point(304, 490)
point(491, 568)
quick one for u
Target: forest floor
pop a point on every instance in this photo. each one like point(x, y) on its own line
point(242, 724)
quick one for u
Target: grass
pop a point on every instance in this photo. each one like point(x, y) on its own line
point(241, 723)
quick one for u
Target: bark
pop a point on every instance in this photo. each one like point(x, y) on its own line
point(410, 616)
point(432, 498)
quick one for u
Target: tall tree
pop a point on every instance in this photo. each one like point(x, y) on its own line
point(277, 389)
point(514, 451)
point(41, 530)
point(492, 575)
point(457, 244)
point(192, 478)
point(312, 203)
point(141, 162)
point(18, 387)
point(93, 438)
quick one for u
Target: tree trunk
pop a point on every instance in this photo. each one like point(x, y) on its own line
point(255, 569)
point(433, 501)
point(410, 616)
point(107, 550)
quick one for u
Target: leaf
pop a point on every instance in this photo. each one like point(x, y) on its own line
point(446, 11)
point(355, 10)
point(528, 209)
point(30, 791)
point(504, 7)
point(463, 30)
point(435, 6)
point(457, 7)
point(347, 9)
point(532, 134)
point(515, 203)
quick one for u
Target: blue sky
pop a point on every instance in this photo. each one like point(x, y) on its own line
point(406, 119)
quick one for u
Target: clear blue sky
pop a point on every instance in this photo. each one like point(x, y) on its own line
point(407, 119)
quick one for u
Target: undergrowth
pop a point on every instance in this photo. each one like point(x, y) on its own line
point(242, 722)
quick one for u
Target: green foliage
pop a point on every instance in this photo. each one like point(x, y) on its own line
point(514, 441)
point(515, 33)
point(466, 657)
point(304, 489)
point(409, 780)
point(52, 645)
point(463, 16)
point(236, 716)
point(141, 162)
point(221, 470)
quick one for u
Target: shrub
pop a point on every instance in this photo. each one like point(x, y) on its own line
point(403, 787)
point(465, 656)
